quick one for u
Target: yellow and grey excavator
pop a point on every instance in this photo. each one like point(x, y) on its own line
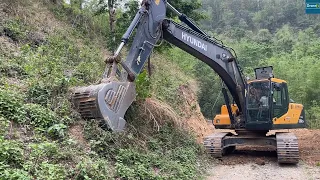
point(258, 106)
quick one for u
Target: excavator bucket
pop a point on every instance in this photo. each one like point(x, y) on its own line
point(107, 102)
point(110, 100)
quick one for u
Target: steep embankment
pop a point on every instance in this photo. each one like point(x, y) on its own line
point(45, 49)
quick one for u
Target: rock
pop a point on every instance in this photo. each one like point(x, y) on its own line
point(260, 161)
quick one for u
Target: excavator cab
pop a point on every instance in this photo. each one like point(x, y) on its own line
point(267, 99)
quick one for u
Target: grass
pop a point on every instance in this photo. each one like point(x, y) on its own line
point(36, 115)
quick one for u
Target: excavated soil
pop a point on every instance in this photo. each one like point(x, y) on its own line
point(192, 118)
point(309, 144)
point(76, 132)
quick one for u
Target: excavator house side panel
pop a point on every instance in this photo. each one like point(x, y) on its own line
point(294, 118)
point(223, 120)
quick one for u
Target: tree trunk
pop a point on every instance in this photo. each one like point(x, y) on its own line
point(112, 21)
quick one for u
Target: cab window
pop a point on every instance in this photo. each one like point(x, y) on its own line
point(277, 97)
point(280, 99)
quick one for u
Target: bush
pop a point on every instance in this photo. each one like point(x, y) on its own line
point(38, 93)
point(12, 70)
point(133, 164)
point(4, 124)
point(90, 168)
point(168, 154)
point(312, 116)
point(12, 173)
point(15, 29)
point(39, 116)
point(50, 171)
point(11, 106)
point(44, 151)
point(11, 153)
point(57, 131)
point(143, 86)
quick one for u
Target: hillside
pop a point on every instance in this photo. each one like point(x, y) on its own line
point(46, 49)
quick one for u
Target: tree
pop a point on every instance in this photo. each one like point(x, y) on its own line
point(76, 3)
point(189, 7)
point(109, 6)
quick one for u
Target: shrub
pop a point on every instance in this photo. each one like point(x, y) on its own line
point(90, 168)
point(50, 171)
point(11, 106)
point(143, 86)
point(39, 116)
point(12, 173)
point(4, 124)
point(57, 131)
point(11, 152)
point(15, 29)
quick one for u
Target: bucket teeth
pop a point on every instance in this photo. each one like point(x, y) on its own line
point(107, 102)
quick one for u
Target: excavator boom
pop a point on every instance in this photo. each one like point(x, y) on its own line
point(110, 100)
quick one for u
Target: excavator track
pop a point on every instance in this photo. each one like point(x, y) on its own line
point(287, 148)
point(214, 144)
point(221, 143)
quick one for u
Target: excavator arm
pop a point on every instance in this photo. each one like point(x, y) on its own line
point(152, 26)
point(194, 41)
point(217, 56)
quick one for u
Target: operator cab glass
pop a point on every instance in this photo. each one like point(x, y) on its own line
point(258, 102)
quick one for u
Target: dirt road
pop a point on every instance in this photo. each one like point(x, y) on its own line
point(268, 171)
point(260, 163)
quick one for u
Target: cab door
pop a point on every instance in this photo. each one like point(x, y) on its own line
point(280, 99)
point(259, 106)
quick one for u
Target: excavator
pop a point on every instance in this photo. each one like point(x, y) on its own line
point(257, 105)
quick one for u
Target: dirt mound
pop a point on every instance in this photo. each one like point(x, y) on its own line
point(309, 145)
point(192, 116)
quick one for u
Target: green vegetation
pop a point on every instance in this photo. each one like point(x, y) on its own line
point(264, 33)
point(42, 137)
point(37, 120)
